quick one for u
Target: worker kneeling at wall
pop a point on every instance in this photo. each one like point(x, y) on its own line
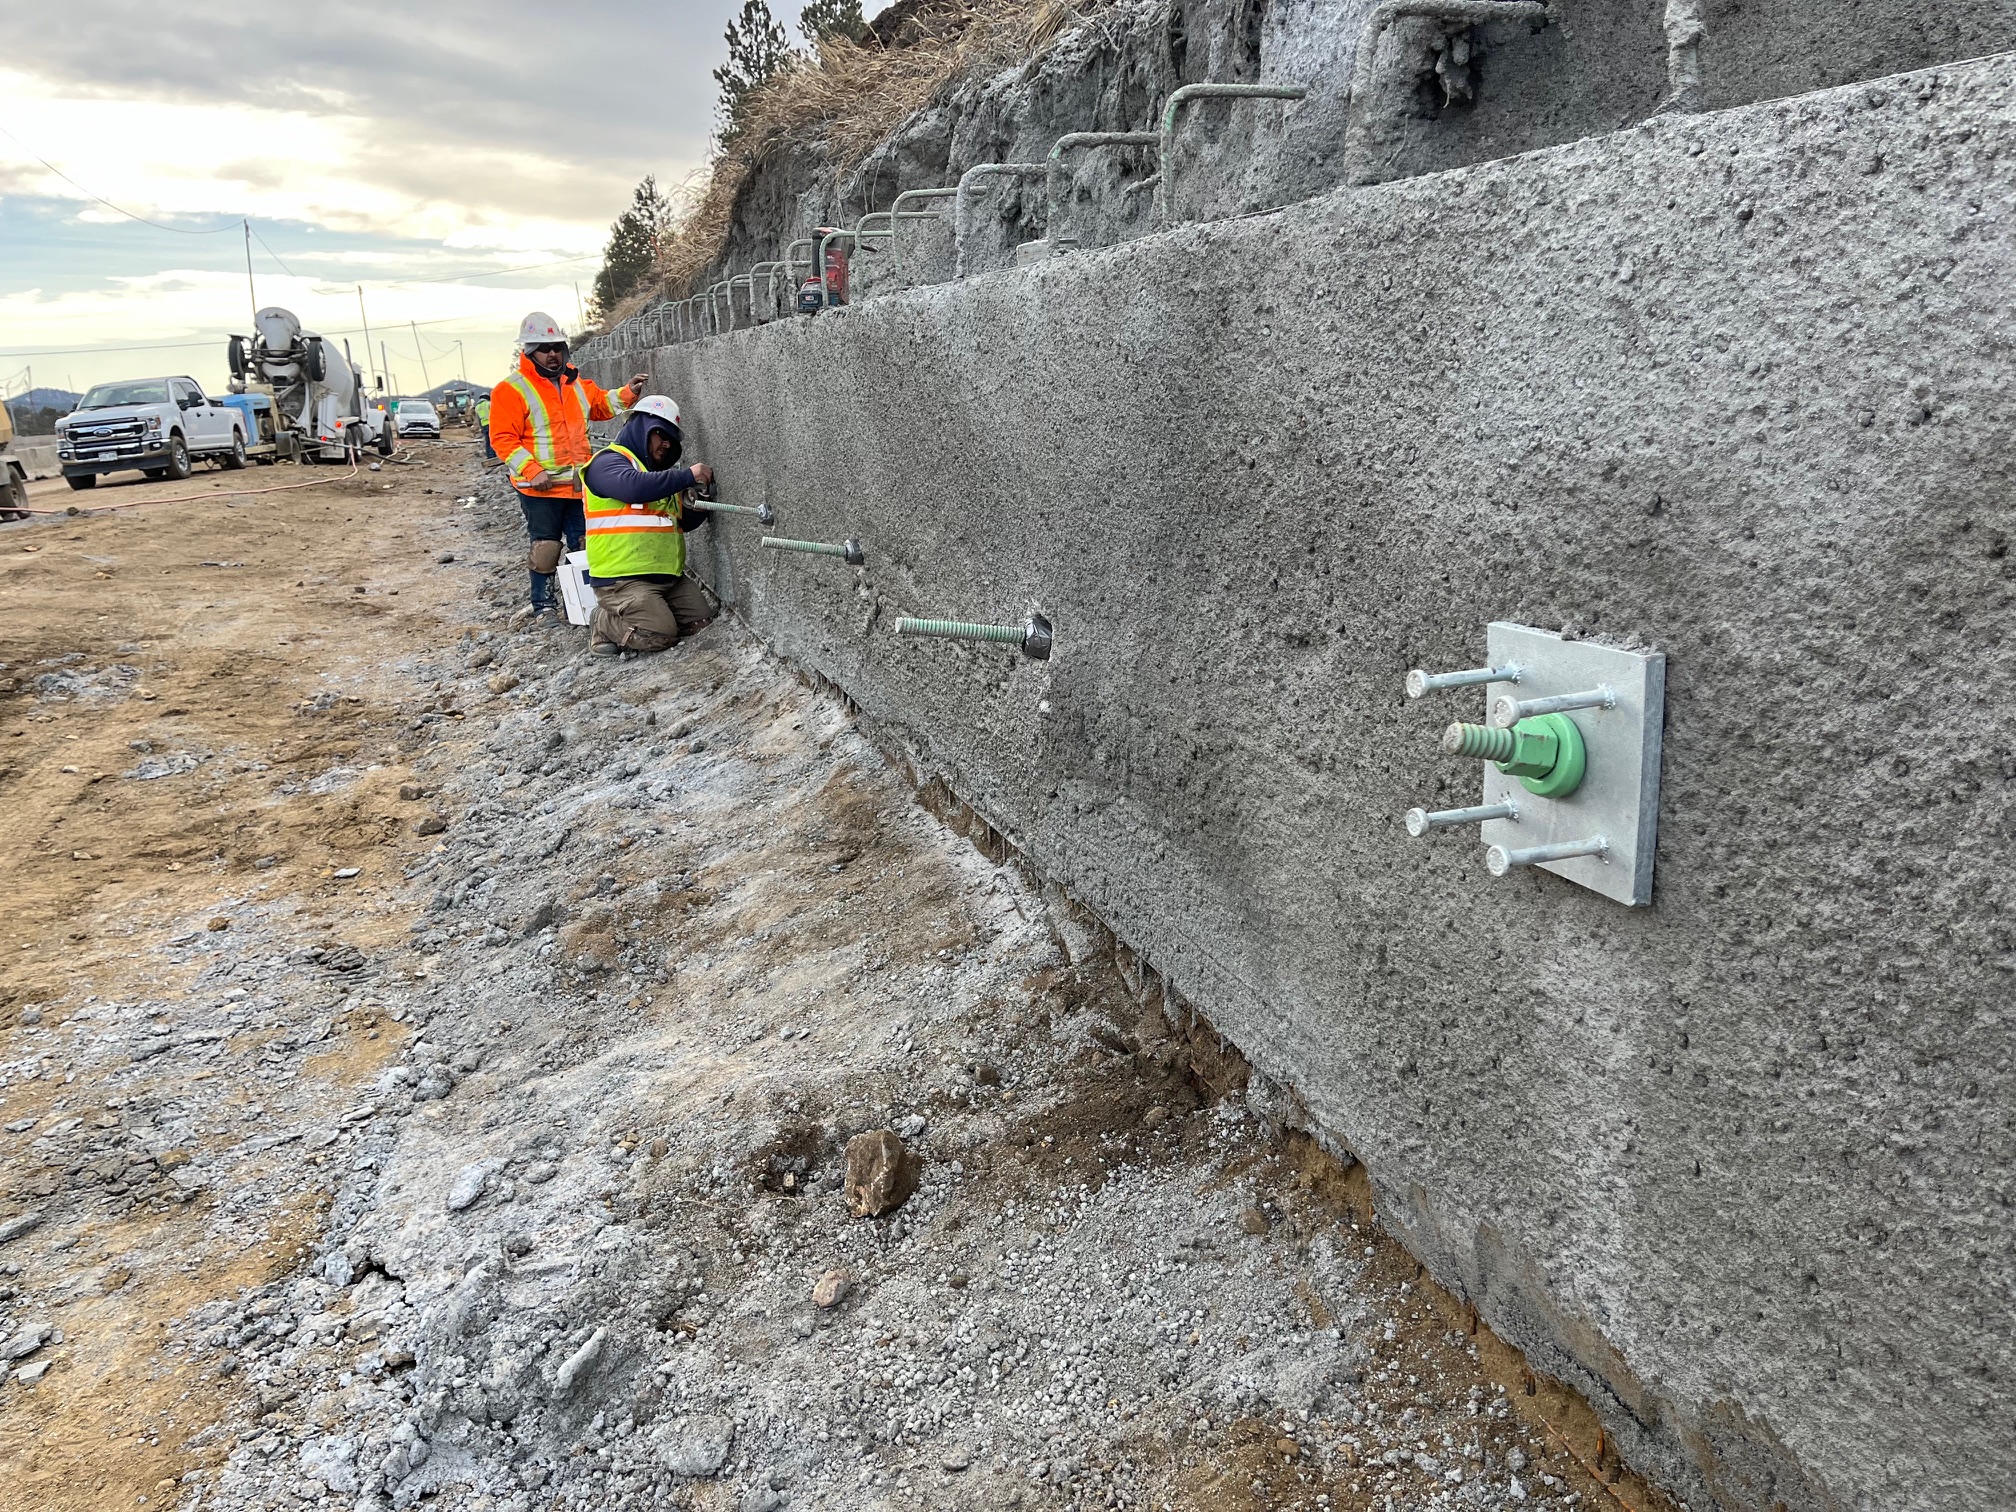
point(634, 501)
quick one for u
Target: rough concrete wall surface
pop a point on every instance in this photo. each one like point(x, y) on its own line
point(1734, 386)
point(1441, 95)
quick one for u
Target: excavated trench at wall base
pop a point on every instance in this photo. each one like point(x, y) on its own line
point(1559, 1409)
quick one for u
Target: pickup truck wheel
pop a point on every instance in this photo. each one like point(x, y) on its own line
point(81, 481)
point(178, 459)
point(235, 459)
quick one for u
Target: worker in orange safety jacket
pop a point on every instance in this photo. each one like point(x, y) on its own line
point(539, 420)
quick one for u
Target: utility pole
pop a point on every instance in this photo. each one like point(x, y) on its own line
point(250, 287)
point(425, 381)
point(386, 363)
point(463, 358)
point(580, 310)
point(367, 334)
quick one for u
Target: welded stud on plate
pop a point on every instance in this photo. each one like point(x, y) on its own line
point(1499, 860)
point(1420, 682)
point(1508, 711)
point(1421, 821)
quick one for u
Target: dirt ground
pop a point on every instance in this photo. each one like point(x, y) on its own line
point(229, 615)
point(274, 636)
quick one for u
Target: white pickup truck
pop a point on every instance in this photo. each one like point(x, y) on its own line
point(159, 425)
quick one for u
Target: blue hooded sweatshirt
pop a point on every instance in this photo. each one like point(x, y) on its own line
point(611, 475)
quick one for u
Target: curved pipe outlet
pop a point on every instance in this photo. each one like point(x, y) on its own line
point(826, 246)
point(767, 271)
point(962, 199)
point(1053, 177)
point(914, 196)
point(1165, 189)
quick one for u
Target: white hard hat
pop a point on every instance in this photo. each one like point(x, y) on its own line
point(659, 405)
point(538, 329)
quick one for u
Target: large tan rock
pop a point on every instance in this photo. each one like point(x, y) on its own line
point(880, 1174)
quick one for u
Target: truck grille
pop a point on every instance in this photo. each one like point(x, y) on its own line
point(107, 438)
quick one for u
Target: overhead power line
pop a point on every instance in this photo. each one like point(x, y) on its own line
point(269, 251)
point(93, 194)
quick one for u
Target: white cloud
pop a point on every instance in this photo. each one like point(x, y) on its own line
point(423, 144)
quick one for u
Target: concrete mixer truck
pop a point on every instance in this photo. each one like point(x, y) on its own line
point(315, 409)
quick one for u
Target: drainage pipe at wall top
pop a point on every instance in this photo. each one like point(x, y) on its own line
point(768, 272)
point(1165, 191)
point(747, 281)
point(1364, 66)
point(962, 200)
point(917, 196)
point(825, 249)
point(809, 243)
point(714, 310)
point(863, 229)
point(1053, 178)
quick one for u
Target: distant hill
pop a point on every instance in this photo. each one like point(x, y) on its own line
point(36, 412)
point(453, 386)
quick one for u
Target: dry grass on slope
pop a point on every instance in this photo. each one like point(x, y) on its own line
point(851, 98)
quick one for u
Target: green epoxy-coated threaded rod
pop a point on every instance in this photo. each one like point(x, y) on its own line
point(850, 550)
point(1477, 741)
point(1032, 635)
point(959, 630)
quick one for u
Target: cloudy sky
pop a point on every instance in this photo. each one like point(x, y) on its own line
point(394, 147)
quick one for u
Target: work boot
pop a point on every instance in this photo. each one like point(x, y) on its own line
point(605, 648)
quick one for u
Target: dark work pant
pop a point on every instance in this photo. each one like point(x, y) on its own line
point(554, 520)
point(558, 520)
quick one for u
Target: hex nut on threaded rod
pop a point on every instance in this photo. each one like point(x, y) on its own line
point(1032, 635)
point(850, 550)
point(1546, 754)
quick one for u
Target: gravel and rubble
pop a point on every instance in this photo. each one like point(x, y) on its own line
point(688, 984)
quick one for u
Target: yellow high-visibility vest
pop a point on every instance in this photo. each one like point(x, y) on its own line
point(632, 540)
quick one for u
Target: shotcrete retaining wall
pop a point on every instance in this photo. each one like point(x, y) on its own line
point(1737, 1164)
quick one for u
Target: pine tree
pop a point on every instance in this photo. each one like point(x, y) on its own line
point(832, 18)
point(634, 241)
point(757, 48)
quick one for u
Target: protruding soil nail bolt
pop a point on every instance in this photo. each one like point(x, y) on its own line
point(1508, 711)
point(1421, 821)
point(850, 550)
point(764, 514)
point(1498, 860)
point(1032, 635)
point(1420, 682)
